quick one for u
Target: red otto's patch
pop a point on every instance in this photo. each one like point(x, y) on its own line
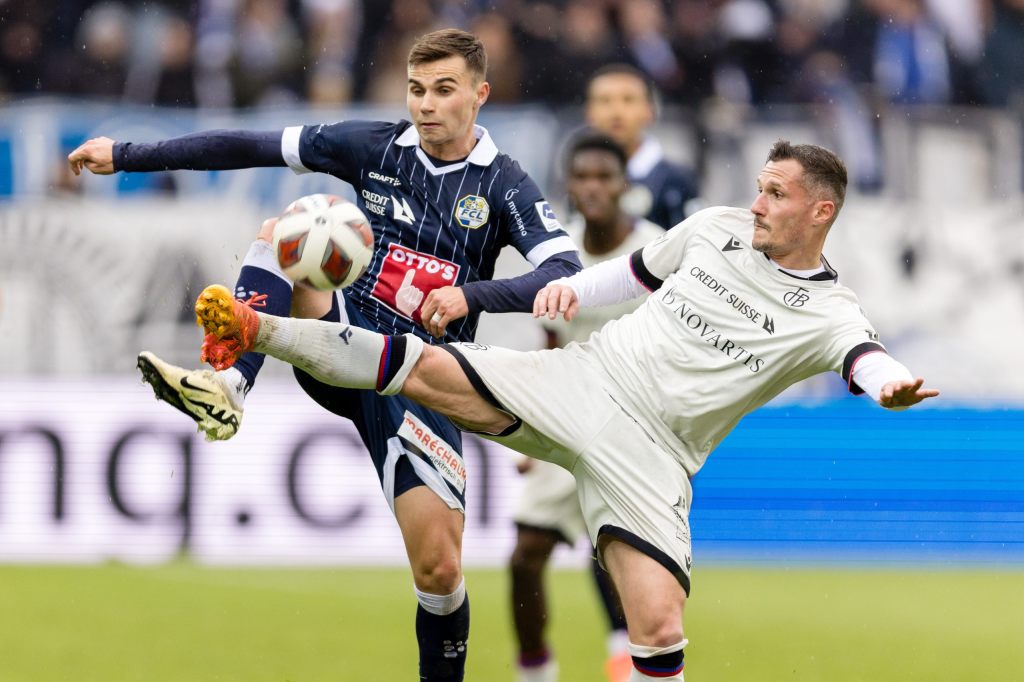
point(408, 276)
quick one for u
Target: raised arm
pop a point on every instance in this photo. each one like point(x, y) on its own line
point(210, 150)
point(607, 283)
point(888, 382)
point(513, 295)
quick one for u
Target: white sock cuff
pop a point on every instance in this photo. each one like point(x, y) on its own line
point(442, 604)
point(261, 255)
point(641, 651)
point(413, 350)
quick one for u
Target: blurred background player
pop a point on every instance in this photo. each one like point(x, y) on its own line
point(442, 201)
point(548, 511)
point(621, 104)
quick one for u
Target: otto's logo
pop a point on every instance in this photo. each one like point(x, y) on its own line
point(407, 277)
point(472, 211)
point(547, 216)
point(796, 298)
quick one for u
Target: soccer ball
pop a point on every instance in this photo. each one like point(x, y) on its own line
point(323, 241)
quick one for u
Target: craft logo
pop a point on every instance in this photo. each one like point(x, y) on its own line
point(472, 211)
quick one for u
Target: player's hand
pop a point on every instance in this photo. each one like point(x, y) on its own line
point(408, 297)
point(905, 393)
point(96, 154)
point(554, 299)
point(442, 306)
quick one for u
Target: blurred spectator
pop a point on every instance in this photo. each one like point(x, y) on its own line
point(97, 63)
point(22, 25)
point(332, 27)
point(1002, 72)
point(387, 69)
point(267, 63)
point(238, 53)
point(911, 62)
point(504, 67)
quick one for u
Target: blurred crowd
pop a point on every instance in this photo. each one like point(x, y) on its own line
point(245, 53)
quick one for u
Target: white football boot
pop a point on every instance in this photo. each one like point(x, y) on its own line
point(204, 395)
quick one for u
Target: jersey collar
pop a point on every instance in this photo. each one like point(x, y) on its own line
point(645, 158)
point(483, 153)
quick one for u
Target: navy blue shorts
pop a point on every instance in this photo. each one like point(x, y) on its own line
point(409, 444)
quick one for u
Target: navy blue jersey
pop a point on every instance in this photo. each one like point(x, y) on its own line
point(435, 224)
point(660, 189)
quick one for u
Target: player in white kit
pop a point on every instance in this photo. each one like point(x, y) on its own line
point(548, 510)
point(742, 305)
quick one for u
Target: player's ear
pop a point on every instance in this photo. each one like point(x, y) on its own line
point(483, 91)
point(824, 211)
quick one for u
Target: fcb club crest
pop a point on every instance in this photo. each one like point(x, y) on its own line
point(472, 211)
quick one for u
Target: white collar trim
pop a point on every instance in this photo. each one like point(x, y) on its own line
point(483, 153)
point(645, 158)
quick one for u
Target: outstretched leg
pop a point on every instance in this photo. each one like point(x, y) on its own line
point(345, 355)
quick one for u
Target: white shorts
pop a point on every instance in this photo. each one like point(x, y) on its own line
point(630, 486)
point(549, 501)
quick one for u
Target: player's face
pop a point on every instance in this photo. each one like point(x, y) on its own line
point(787, 219)
point(596, 181)
point(618, 106)
point(443, 99)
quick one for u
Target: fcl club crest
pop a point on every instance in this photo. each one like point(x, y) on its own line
point(472, 211)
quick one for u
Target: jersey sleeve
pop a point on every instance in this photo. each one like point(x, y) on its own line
point(851, 338)
point(339, 149)
point(531, 224)
point(660, 258)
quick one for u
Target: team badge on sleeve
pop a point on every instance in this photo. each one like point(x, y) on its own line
point(472, 211)
point(547, 216)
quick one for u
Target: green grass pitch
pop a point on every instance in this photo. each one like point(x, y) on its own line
point(183, 622)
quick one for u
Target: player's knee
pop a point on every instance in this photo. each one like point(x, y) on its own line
point(655, 630)
point(437, 572)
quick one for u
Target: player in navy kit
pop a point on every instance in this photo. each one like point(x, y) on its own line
point(621, 104)
point(442, 202)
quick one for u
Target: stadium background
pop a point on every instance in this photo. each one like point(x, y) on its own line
point(832, 540)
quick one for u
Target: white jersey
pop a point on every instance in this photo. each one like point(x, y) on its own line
point(723, 332)
point(589, 320)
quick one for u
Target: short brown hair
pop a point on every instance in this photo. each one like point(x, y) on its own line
point(450, 42)
point(824, 171)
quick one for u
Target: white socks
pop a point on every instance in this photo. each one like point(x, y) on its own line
point(340, 354)
point(442, 604)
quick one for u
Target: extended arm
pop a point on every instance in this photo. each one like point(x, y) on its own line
point(511, 295)
point(210, 150)
point(888, 382)
point(612, 281)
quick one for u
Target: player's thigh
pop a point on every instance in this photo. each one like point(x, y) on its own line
point(652, 599)
point(633, 490)
point(432, 532)
point(548, 501)
point(560, 399)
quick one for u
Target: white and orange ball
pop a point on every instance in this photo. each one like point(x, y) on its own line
point(323, 241)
